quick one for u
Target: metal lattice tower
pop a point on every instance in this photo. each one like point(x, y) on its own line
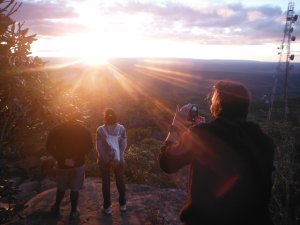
point(284, 67)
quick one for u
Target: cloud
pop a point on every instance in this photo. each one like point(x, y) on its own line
point(48, 18)
point(55, 28)
point(219, 24)
point(211, 24)
point(44, 10)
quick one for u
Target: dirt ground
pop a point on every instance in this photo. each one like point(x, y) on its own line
point(145, 205)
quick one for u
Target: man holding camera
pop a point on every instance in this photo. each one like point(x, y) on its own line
point(231, 161)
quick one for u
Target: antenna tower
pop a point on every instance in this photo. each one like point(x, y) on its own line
point(284, 67)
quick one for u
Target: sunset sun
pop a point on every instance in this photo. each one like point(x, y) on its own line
point(95, 59)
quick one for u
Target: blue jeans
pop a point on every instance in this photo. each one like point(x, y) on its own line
point(118, 169)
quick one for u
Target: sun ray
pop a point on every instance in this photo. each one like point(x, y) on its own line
point(127, 84)
point(183, 80)
point(134, 89)
point(166, 78)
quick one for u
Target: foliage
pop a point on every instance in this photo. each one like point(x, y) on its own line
point(136, 135)
point(142, 166)
point(286, 183)
point(30, 102)
point(20, 78)
point(8, 105)
point(15, 41)
point(9, 204)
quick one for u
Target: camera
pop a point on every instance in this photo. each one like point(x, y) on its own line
point(193, 113)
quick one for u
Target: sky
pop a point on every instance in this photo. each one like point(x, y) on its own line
point(96, 30)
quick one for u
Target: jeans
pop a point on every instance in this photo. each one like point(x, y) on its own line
point(118, 170)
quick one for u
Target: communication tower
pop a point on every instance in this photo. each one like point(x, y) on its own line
point(285, 57)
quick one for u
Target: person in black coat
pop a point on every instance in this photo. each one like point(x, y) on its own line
point(231, 162)
point(69, 143)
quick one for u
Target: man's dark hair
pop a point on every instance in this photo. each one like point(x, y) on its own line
point(109, 117)
point(229, 100)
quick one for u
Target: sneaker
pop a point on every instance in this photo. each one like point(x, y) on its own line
point(107, 210)
point(123, 208)
point(74, 215)
point(55, 211)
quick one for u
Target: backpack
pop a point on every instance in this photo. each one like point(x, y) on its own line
point(111, 143)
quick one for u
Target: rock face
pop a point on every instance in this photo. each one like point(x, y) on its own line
point(31, 175)
point(28, 188)
point(145, 204)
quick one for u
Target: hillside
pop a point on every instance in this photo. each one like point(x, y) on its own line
point(190, 76)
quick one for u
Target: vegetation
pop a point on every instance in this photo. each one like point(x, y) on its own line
point(29, 103)
point(13, 48)
point(285, 200)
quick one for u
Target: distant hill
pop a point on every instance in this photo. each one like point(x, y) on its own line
point(188, 76)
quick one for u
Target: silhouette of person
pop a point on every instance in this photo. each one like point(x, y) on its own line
point(69, 143)
point(109, 158)
point(231, 162)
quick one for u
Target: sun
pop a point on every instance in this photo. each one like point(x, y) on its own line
point(95, 59)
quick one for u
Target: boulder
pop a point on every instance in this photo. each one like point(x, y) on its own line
point(28, 188)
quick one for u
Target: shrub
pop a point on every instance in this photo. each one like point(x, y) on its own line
point(285, 199)
point(142, 166)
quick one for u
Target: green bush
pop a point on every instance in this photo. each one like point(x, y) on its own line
point(142, 166)
point(136, 135)
point(284, 205)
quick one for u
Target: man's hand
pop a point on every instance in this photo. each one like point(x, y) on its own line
point(180, 122)
point(69, 162)
point(180, 118)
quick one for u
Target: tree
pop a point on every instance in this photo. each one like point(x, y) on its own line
point(28, 102)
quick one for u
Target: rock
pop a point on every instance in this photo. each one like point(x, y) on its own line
point(145, 205)
point(28, 188)
point(46, 184)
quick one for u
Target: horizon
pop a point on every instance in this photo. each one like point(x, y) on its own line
point(162, 60)
point(210, 30)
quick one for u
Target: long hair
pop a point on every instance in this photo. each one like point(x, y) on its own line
point(109, 117)
point(230, 100)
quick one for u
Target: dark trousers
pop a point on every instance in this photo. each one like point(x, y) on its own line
point(118, 170)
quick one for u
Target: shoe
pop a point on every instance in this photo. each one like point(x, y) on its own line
point(123, 208)
point(74, 215)
point(107, 210)
point(55, 211)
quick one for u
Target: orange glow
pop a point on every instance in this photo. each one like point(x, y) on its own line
point(134, 90)
point(108, 83)
point(94, 59)
point(184, 80)
point(227, 185)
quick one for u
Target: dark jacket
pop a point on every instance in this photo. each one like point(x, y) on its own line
point(230, 177)
point(69, 140)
